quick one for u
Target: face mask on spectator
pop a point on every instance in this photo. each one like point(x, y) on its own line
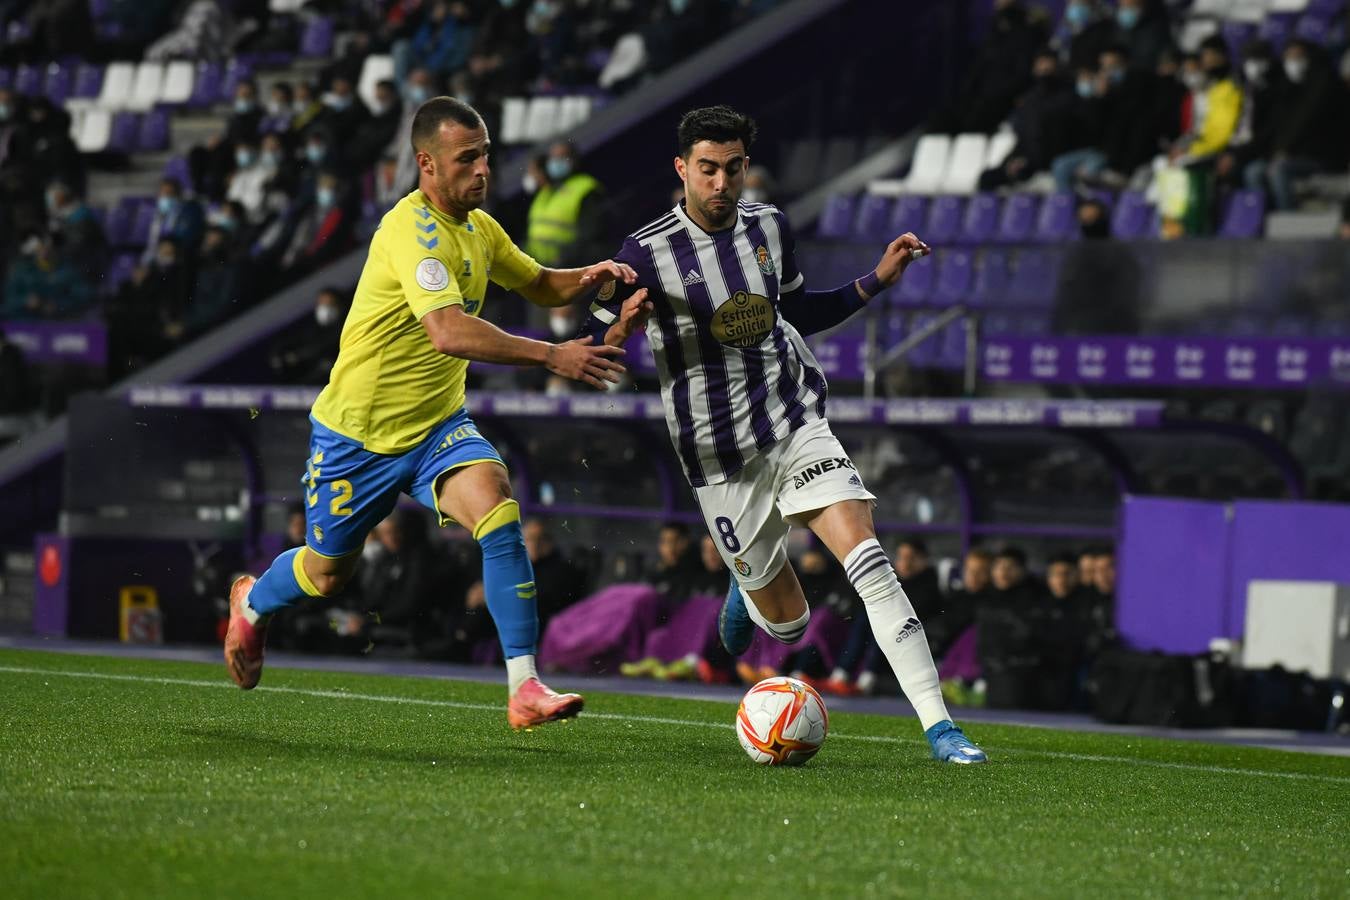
point(1085, 89)
point(4, 112)
point(53, 205)
point(1194, 81)
point(243, 105)
point(224, 222)
point(271, 159)
point(1127, 17)
point(1077, 15)
point(243, 158)
point(324, 197)
point(1115, 76)
point(336, 102)
point(754, 195)
point(558, 168)
point(679, 6)
point(1255, 70)
point(326, 315)
point(166, 205)
point(1296, 69)
point(315, 152)
point(165, 260)
point(32, 246)
point(277, 108)
point(418, 94)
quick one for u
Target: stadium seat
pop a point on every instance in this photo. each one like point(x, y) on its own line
point(952, 352)
point(910, 213)
point(929, 164)
point(874, 217)
point(206, 85)
point(541, 120)
point(836, 220)
point(126, 127)
point(1236, 34)
point(119, 272)
point(121, 223)
point(28, 80)
point(145, 216)
point(944, 220)
point(59, 82)
point(1000, 145)
point(955, 271)
point(1313, 28)
point(513, 120)
point(117, 82)
point(95, 131)
point(999, 324)
point(966, 164)
point(981, 219)
point(989, 285)
point(1194, 31)
point(1277, 29)
point(146, 87)
point(1018, 221)
point(6, 77)
point(237, 70)
point(317, 40)
point(177, 86)
point(573, 111)
point(917, 284)
point(1058, 220)
point(88, 81)
point(153, 134)
point(377, 67)
point(1245, 215)
point(178, 169)
point(1033, 280)
point(1133, 217)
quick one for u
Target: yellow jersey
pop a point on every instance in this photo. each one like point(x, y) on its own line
point(390, 386)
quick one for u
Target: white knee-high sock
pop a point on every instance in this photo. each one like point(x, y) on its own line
point(897, 629)
point(783, 632)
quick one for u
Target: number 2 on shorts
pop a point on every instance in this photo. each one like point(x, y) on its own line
point(725, 529)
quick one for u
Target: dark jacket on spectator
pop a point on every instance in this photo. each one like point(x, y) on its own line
point(1311, 121)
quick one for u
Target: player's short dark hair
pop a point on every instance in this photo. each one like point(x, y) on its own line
point(719, 124)
point(431, 115)
point(915, 543)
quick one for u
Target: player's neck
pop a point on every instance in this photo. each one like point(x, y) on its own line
point(701, 222)
point(449, 209)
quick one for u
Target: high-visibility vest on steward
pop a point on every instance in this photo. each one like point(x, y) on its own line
point(553, 218)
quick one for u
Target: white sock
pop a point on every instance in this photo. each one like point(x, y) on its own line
point(251, 615)
point(897, 630)
point(519, 669)
point(783, 632)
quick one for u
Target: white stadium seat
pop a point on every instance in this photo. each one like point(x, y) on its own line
point(377, 67)
point(146, 88)
point(541, 122)
point(1000, 145)
point(965, 165)
point(117, 82)
point(573, 112)
point(930, 164)
point(177, 85)
point(514, 110)
point(285, 6)
point(1288, 6)
point(95, 131)
point(1194, 32)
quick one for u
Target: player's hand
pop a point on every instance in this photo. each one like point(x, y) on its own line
point(580, 360)
point(609, 270)
point(901, 252)
point(634, 313)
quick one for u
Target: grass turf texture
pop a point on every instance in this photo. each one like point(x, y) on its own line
point(118, 786)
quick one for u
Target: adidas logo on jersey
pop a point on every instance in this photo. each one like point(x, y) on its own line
point(693, 278)
point(855, 481)
point(912, 627)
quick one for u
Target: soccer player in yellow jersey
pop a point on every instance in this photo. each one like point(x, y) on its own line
point(392, 420)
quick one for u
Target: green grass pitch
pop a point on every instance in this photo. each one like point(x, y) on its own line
point(129, 778)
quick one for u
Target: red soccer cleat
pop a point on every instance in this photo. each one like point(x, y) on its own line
point(534, 704)
point(243, 642)
point(840, 687)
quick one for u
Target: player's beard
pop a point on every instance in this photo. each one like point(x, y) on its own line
point(718, 216)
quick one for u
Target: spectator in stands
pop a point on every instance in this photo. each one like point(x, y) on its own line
point(148, 313)
point(388, 189)
point(559, 583)
point(566, 222)
point(42, 283)
point(759, 186)
point(212, 163)
point(999, 74)
point(323, 230)
point(1264, 87)
point(204, 32)
point(308, 358)
point(18, 388)
point(348, 66)
point(1170, 99)
point(373, 135)
point(1144, 32)
point(418, 89)
point(497, 68)
point(82, 239)
point(307, 109)
point(403, 586)
point(1085, 31)
point(1099, 283)
point(248, 182)
point(51, 153)
point(283, 177)
point(442, 42)
point(1220, 103)
point(1309, 135)
point(1087, 121)
point(676, 562)
point(176, 217)
point(919, 578)
point(1061, 577)
point(59, 29)
point(1009, 648)
point(344, 112)
point(1127, 141)
point(1038, 122)
point(218, 286)
point(280, 110)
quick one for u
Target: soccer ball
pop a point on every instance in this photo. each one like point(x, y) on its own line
point(781, 722)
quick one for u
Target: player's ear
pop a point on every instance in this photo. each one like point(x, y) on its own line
point(680, 168)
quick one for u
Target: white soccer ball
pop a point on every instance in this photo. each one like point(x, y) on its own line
point(782, 722)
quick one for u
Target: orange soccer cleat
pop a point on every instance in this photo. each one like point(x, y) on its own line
point(534, 704)
point(243, 642)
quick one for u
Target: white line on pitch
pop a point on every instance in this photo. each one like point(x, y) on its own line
point(658, 720)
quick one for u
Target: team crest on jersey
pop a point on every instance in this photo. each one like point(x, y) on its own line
point(318, 535)
point(764, 259)
point(606, 291)
point(743, 567)
point(432, 274)
point(744, 320)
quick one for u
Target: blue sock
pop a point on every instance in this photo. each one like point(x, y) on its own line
point(508, 580)
point(282, 585)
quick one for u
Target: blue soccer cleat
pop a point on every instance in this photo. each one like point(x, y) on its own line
point(733, 622)
point(950, 744)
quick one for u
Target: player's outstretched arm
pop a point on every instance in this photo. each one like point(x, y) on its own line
point(559, 287)
point(633, 317)
point(816, 311)
point(456, 333)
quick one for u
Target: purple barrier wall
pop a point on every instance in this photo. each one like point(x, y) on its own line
point(1172, 570)
point(81, 343)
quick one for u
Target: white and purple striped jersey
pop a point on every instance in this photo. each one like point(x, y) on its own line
point(736, 377)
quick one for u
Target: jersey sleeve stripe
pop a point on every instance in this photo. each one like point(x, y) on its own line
point(793, 284)
point(603, 314)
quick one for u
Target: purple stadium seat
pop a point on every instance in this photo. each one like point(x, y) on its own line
point(1018, 221)
point(836, 220)
point(917, 283)
point(1245, 325)
point(59, 82)
point(955, 271)
point(1033, 279)
point(28, 80)
point(910, 213)
point(1313, 28)
point(121, 223)
point(206, 85)
point(126, 128)
point(1133, 217)
point(317, 41)
point(1031, 324)
point(153, 135)
point(1278, 28)
point(981, 220)
point(119, 272)
point(1245, 216)
point(235, 71)
point(1058, 220)
point(874, 217)
point(6, 77)
point(944, 220)
point(926, 353)
point(991, 276)
point(140, 229)
point(1236, 34)
point(952, 354)
point(177, 168)
point(99, 9)
point(999, 324)
point(1293, 326)
point(88, 80)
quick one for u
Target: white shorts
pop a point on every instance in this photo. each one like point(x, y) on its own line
point(747, 514)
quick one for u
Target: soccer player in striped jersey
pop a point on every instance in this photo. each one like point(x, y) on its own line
point(392, 419)
point(720, 295)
